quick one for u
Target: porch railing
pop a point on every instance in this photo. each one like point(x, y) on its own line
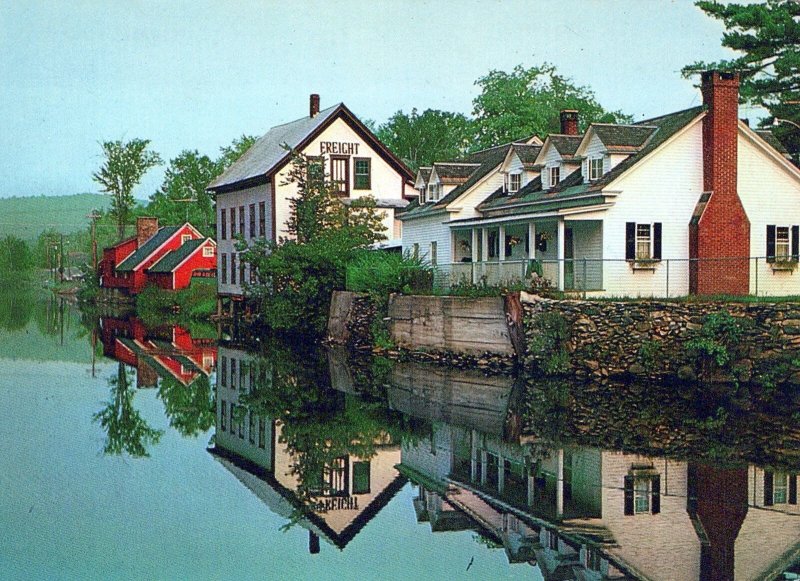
point(755, 275)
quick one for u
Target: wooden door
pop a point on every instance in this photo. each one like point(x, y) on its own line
point(340, 174)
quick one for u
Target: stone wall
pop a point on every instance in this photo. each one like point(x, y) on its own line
point(648, 339)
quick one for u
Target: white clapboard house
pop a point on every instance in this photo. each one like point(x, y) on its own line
point(689, 202)
point(253, 198)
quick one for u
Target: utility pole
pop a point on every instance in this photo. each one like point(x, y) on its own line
point(94, 216)
point(61, 261)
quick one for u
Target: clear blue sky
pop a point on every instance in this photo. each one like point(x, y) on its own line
point(194, 75)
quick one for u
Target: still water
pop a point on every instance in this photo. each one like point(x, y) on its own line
point(135, 451)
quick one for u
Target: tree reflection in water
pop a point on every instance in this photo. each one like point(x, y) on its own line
point(190, 408)
point(127, 432)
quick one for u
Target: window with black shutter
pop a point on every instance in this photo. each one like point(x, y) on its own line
point(793, 489)
point(655, 491)
point(630, 240)
point(657, 241)
point(768, 487)
point(629, 495)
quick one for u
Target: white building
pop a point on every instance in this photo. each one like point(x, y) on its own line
point(689, 202)
point(253, 198)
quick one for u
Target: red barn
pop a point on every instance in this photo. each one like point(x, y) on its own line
point(168, 256)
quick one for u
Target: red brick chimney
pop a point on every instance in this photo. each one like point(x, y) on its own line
point(569, 122)
point(722, 231)
point(146, 227)
point(313, 105)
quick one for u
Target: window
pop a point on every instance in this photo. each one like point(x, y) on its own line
point(595, 168)
point(233, 373)
point(361, 484)
point(233, 222)
point(415, 251)
point(783, 243)
point(780, 490)
point(316, 170)
point(514, 182)
point(233, 268)
point(223, 224)
point(361, 173)
point(251, 432)
point(241, 221)
point(241, 272)
point(641, 495)
point(252, 220)
point(223, 415)
point(223, 269)
point(262, 219)
point(642, 241)
point(433, 253)
point(340, 174)
point(554, 175)
point(242, 375)
point(185, 238)
point(434, 190)
point(262, 433)
point(208, 251)
point(223, 374)
point(233, 419)
point(241, 423)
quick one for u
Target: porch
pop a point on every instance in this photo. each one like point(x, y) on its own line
point(566, 253)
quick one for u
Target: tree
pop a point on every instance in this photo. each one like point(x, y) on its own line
point(124, 166)
point(15, 256)
point(183, 196)
point(297, 276)
point(527, 102)
point(234, 151)
point(190, 408)
point(767, 35)
point(420, 140)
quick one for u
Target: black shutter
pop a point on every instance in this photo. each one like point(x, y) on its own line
point(655, 487)
point(771, 243)
point(793, 489)
point(629, 495)
point(795, 242)
point(768, 484)
point(657, 241)
point(630, 240)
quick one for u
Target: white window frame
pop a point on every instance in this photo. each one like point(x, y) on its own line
point(433, 248)
point(514, 177)
point(641, 239)
point(551, 178)
point(642, 489)
point(780, 485)
point(595, 168)
point(785, 246)
point(185, 238)
point(434, 191)
point(208, 251)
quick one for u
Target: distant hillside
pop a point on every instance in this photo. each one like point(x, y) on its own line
point(28, 217)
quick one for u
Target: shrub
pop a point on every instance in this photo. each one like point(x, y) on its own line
point(383, 273)
point(549, 344)
point(717, 339)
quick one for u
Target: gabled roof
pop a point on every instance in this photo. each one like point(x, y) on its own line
point(622, 136)
point(164, 233)
point(423, 175)
point(768, 136)
point(269, 153)
point(574, 186)
point(452, 172)
point(527, 153)
point(173, 258)
point(566, 145)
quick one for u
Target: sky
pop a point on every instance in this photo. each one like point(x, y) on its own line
point(196, 75)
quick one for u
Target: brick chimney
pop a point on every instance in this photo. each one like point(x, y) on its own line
point(146, 227)
point(313, 105)
point(569, 122)
point(722, 231)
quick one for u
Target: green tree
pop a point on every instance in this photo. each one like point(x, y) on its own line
point(767, 36)
point(190, 408)
point(15, 256)
point(183, 196)
point(126, 430)
point(297, 276)
point(421, 139)
point(232, 152)
point(123, 168)
point(528, 101)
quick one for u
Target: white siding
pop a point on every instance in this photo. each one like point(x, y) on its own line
point(465, 206)
point(665, 188)
point(770, 195)
point(227, 246)
point(423, 231)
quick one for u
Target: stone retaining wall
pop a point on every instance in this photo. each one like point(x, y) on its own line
point(648, 339)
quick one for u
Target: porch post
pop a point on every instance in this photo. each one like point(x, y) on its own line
point(501, 250)
point(484, 464)
point(473, 463)
point(484, 244)
point(501, 474)
point(474, 246)
point(531, 241)
point(561, 246)
point(560, 484)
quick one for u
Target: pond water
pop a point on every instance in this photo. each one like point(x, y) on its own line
point(141, 452)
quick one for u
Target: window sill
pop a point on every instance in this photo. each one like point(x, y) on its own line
point(783, 266)
point(644, 265)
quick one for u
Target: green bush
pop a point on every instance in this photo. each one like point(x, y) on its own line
point(549, 344)
point(717, 339)
point(383, 273)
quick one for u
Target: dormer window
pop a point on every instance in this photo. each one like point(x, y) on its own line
point(514, 182)
point(595, 168)
point(554, 175)
point(433, 192)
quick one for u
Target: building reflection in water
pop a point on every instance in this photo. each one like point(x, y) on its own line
point(575, 511)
